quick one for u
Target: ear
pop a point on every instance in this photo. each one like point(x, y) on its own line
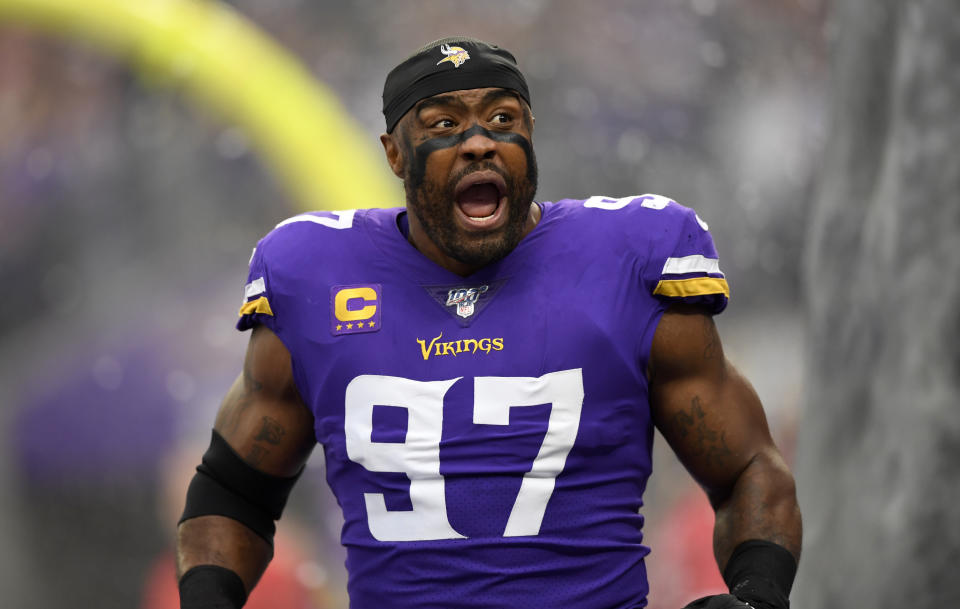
point(393, 152)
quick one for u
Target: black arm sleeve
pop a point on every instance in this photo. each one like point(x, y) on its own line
point(225, 485)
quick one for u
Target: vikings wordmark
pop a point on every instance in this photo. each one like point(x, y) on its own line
point(456, 347)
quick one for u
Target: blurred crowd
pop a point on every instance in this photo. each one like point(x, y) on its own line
point(127, 214)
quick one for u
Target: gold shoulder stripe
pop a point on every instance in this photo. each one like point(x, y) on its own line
point(260, 305)
point(695, 286)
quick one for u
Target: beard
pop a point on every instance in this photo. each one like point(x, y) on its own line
point(433, 204)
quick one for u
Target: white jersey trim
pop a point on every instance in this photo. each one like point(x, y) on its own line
point(691, 264)
point(344, 219)
point(255, 288)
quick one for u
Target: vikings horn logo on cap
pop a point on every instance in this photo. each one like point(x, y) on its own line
point(455, 55)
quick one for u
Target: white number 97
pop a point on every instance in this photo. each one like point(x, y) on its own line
point(419, 455)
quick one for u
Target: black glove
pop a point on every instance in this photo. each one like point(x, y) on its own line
point(718, 601)
point(761, 574)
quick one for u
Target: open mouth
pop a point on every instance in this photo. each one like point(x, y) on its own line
point(480, 197)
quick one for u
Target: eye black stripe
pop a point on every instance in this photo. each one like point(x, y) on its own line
point(430, 146)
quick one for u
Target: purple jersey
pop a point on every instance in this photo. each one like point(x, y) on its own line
point(487, 437)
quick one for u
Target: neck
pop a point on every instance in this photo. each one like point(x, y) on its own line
point(419, 239)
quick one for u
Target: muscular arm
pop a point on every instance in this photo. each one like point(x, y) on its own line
point(714, 421)
point(264, 421)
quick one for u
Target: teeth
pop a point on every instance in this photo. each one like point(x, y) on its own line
point(482, 217)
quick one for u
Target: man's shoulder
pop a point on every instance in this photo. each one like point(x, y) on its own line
point(635, 217)
point(321, 233)
point(667, 242)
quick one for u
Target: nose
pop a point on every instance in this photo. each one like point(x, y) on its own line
point(478, 147)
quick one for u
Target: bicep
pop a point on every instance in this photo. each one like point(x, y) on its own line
point(262, 417)
point(706, 410)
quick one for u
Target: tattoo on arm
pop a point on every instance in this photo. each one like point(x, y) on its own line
point(703, 440)
point(270, 431)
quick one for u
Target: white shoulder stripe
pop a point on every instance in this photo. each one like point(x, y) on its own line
point(344, 219)
point(255, 288)
point(691, 264)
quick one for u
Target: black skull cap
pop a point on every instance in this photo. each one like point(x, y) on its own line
point(449, 64)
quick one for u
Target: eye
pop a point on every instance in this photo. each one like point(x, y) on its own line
point(502, 118)
point(443, 123)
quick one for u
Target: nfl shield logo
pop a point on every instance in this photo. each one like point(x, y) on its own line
point(465, 299)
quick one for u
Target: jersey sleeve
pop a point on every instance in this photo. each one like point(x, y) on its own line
point(257, 295)
point(684, 265)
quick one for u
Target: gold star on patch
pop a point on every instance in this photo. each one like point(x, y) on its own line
point(371, 324)
point(339, 327)
point(349, 326)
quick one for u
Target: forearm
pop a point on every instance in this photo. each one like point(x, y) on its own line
point(762, 505)
point(221, 541)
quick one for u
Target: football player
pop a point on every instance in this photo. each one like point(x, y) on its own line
point(484, 373)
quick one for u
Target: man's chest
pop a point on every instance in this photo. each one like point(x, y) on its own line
point(488, 374)
point(521, 324)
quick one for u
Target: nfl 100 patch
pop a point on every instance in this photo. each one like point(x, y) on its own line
point(465, 302)
point(355, 308)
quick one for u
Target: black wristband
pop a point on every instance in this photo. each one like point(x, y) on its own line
point(761, 573)
point(211, 587)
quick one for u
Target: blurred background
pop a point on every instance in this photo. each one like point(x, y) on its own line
point(130, 200)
